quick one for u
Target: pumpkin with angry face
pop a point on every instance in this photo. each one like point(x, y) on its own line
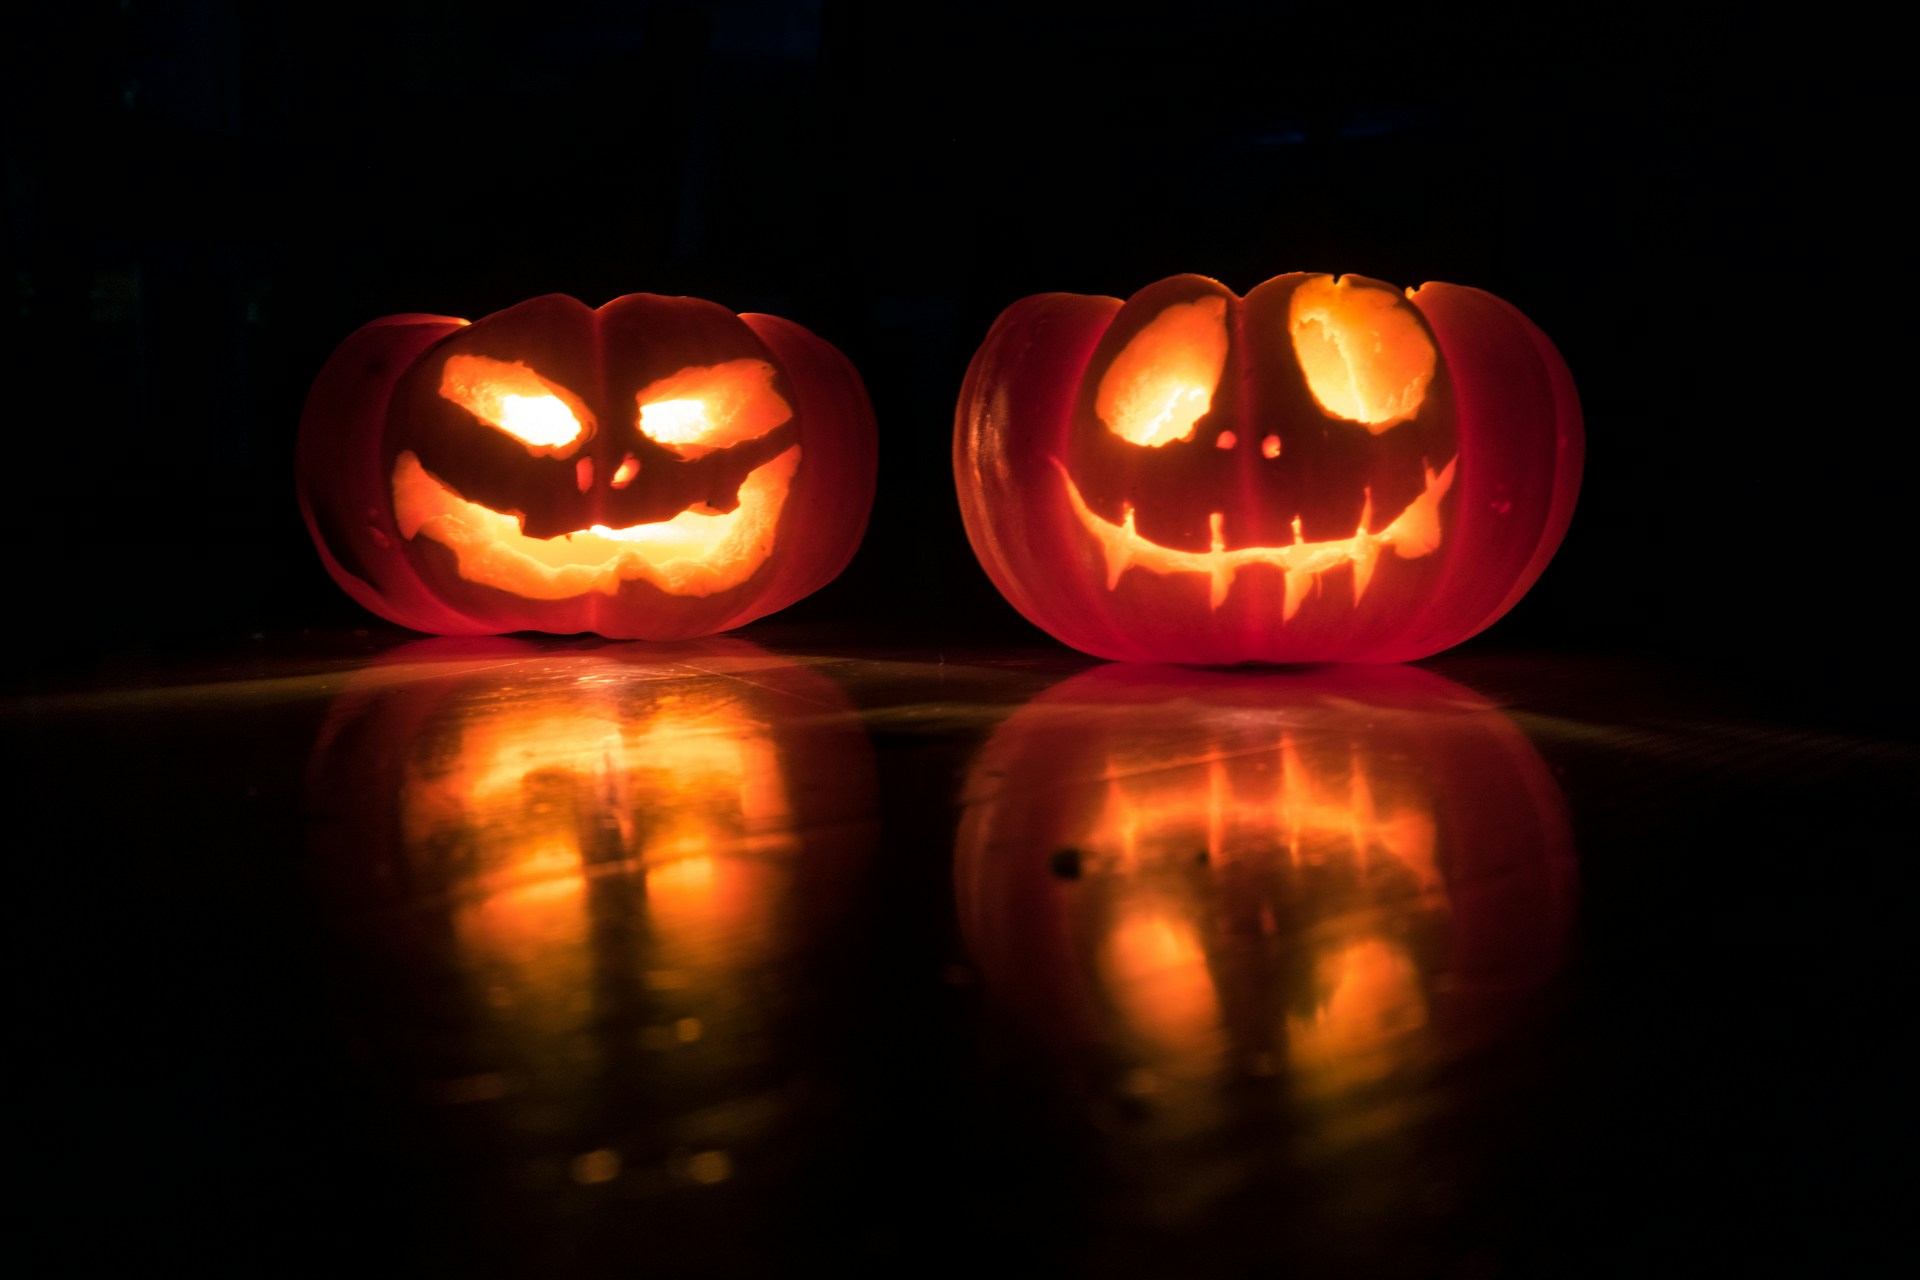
point(1325, 470)
point(658, 468)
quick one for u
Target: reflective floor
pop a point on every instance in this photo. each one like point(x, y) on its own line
point(748, 958)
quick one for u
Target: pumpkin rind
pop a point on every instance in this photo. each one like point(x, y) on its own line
point(1026, 445)
point(380, 419)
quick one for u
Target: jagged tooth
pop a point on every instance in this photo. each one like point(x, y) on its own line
point(1220, 580)
point(1298, 583)
point(1364, 562)
point(1119, 551)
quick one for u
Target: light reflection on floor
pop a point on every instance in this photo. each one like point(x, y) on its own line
point(1246, 909)
point(566, 957)
point(596, 882)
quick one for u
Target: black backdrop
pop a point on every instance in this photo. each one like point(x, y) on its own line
point(205, 197)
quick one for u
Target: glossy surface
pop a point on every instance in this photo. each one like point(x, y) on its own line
point(545, 958)
point(1329, 879)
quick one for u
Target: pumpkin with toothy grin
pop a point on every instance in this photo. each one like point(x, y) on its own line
point(639, 470)
point(1326, 470)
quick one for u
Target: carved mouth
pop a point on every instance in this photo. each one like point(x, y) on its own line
point(696, 553)
point(1414, 533)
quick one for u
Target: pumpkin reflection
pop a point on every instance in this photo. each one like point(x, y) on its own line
point(691, 798)
point(1333, 878)
point(596, 891)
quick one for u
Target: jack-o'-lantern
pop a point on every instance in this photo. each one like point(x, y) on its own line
point(659, 468)
point(1319, 880)
point(1325, 470)
point(595, 891)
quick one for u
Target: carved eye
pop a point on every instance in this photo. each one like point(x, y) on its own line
point(510, 397)
point(1366, 355)
point(708, 407)
point(1162, 382)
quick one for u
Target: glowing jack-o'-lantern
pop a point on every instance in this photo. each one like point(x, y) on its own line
point(657, 469)
point(593, 890)
point(1323, 470)
point(1319, 879)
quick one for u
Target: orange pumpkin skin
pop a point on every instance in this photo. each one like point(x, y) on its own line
point(1277, 530)
point(433, 514)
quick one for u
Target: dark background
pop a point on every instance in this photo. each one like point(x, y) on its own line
point(203, 199)
point(1695, 204)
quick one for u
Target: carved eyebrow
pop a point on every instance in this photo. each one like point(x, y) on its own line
point(708, 407)
point(510, 397)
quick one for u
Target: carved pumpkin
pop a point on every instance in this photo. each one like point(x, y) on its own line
point(1191, 876)
point(1324, 470)
point(595, 890)
point(657, 469)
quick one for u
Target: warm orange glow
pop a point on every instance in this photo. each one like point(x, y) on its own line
point(1365, 353)
point(580, 886)
point(708, 407)
point(1263, 811)
point(1369, 999)
point(696, 553)
point(711, 911)
point(1414, 533)
point(1313, 807)
point(683, 805)
point(510, 397)
point(675, 421)
point(1157, 971)
point(1160, 801)
point(624, 473)
point(1162, 383)
point(1270, 447)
